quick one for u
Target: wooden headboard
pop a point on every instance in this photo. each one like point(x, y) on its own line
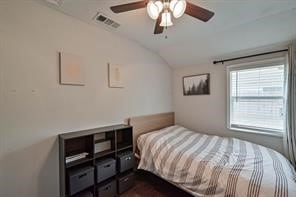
point(145, 124)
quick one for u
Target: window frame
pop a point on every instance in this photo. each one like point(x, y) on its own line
point(250, 65)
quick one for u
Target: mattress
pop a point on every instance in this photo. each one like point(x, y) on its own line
point(205, 165)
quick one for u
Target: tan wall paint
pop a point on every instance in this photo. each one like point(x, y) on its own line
point(207, 113)
point(34, 108)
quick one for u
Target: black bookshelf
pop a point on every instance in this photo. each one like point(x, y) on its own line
point(121, 140)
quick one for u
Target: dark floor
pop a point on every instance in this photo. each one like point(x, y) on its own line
point(149, 185)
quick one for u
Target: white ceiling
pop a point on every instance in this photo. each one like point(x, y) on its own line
point(237, 25)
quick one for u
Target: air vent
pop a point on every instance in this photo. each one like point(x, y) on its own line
point(102, 18)
point(55, 2)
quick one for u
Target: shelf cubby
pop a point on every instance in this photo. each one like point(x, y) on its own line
point(124, 138)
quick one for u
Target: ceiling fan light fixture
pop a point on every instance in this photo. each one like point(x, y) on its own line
point(178, 7)
point(166, 19)
point(154, 8)
point(162, 11)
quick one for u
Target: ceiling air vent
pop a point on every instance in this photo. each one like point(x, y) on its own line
point(102, 18)
point(55, 2)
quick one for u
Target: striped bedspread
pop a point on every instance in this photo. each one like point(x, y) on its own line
point(207, 165)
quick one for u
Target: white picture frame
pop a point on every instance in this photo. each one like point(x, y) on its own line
point(115, 75)
point(71, 69)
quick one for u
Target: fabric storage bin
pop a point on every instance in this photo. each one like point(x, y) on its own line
point(84, 194)
point(105, 169)
point(126, 182)
point(80, 179)
point(125, 161)
point(108, 190)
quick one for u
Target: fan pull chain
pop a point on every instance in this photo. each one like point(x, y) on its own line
point(166, 36)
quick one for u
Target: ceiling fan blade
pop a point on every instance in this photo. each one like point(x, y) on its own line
point(158, 29)
point(129, 6)
point(198, 12)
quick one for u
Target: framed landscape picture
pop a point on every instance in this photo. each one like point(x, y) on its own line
point(196, 85)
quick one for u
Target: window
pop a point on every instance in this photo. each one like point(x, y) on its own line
point(256, 101)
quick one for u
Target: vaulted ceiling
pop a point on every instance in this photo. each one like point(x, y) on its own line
point(237, 25)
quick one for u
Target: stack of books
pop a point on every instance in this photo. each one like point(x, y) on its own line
point(76, 157)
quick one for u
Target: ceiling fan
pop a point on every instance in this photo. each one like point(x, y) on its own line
point(162, 11)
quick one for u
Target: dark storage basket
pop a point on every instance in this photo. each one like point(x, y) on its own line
point(108, 190)
point(126, 182)
point(105, 169)
point(84, 194)
point(80, 179)
point(125, 161)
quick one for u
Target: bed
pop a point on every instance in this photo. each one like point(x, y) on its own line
point(205, 165)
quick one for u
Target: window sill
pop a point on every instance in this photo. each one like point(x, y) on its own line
point(273, 134)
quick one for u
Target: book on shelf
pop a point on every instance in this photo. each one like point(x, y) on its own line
point(76, 157)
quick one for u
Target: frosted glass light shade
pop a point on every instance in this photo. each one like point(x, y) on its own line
point(178, 7)
point(154, 8)
point(166, 19)
point(159, 4)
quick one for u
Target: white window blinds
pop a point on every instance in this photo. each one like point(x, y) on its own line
point(256, 97)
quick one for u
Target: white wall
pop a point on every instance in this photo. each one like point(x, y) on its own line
point(207, 113)
point(34, 108)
